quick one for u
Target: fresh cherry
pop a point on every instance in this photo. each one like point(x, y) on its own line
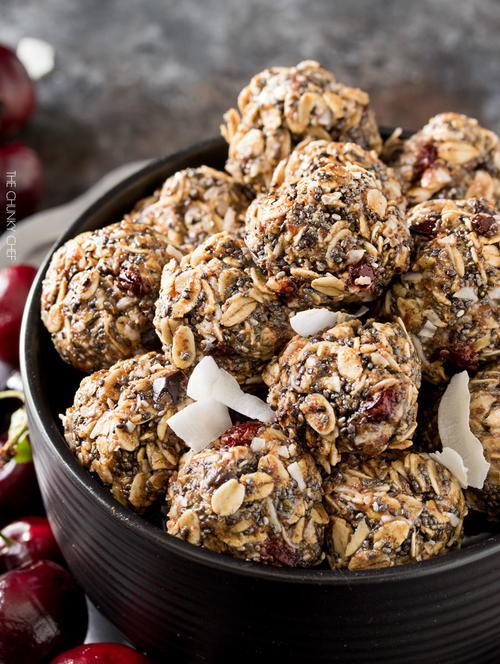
point(101, 653)
point(15, 282)
point(26, 541)
point(42, 612)
point(21, 181)
point(17, 93)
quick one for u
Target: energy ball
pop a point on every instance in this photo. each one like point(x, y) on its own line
point(99, 292)
point(449, 298)
point(310, 154)
point(118, 427)
point(350, 388)
point(283, 105)
point(331, 237)
point(452, 156)
point(194, 204)
point(254, 495)
point(387, 512)
point(216, 302)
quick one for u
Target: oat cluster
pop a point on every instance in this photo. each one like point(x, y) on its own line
point(452, 156)
point(331, 237)
point(386, 512)
point(216, 302)
point(254, 494)
point(449, 298)
point(402, 243)
point(283, 105)
point(118, 427)
point(99, 293)
point(194, 204)
point(352, 388)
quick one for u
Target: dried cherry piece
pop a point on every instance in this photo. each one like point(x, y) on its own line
point(426, 156)
point(461, 356)
point(241, 434)
point(484, 224)
point(382, 405)
point(279, 553)
point(428, 226)
point(130, 281)
point(361, 270)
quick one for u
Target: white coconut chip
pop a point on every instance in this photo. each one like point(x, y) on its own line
point(455, 433)
point(296, 473)
point(37, 56)
point(454, 462)
point(209, 381)
point(202, 379)
point(200, 423)
point(311, 321)
point(466, 293)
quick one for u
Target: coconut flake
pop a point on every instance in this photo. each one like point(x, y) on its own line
point(354, 256)
point(466, 293)
point(455, 433)
point(37, 56)
point(200, 423)
point(209, 381)
point(428, 330)
point(201, 382)
point(494, 293)
point(296, 473)
point(311, 321)
point(257, 444)
point(454, 462)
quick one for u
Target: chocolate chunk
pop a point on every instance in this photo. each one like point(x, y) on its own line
point(428, 226)
point(170, 385)
point(361, 270)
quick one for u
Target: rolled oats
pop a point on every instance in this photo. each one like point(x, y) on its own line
point(116, 427)
point(329, 392)
point(283, 105)
point(392, 510)
point(249, 501)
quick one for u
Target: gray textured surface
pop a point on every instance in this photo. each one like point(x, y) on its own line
point(140, 78)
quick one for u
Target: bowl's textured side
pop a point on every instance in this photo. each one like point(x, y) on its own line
point(183, 604)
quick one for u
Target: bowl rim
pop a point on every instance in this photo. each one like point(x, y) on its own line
point(44, 421)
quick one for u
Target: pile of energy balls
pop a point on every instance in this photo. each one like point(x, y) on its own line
point(340, 279)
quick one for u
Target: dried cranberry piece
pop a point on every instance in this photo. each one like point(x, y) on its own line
point(221, 350)
point(428, 226)
point(484, 224)
point(361, 270)
point(426, 156)
point(240, 434)
point(462, 356)
point(279, 553)
point(382, 406)
point(130, 281)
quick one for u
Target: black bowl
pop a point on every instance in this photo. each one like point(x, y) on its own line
point(184, 604)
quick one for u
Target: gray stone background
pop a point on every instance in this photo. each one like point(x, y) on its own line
point(140, 78)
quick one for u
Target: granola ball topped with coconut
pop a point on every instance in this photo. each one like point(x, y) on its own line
point(352, 387)
point(389, 511)
point(283, 105)
point(310, 154)
point(254, 495)
point(99, 292)
point(118, 427)
point(452, 156)
point(331, 237)
point(216, 302)
point(194, 204)
point(449, 298)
